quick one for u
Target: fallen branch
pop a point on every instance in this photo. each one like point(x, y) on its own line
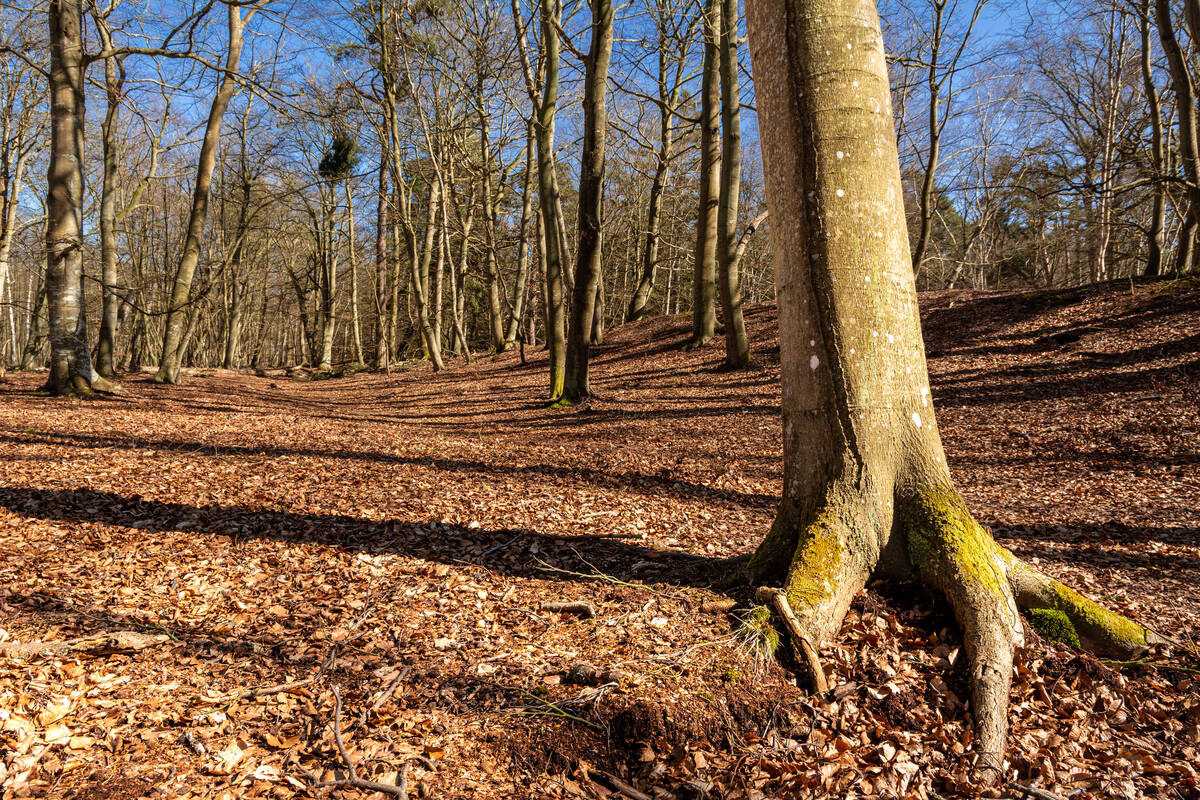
point(617, 785)
point(579, 607)
point(353, 781)
point(778, 600)
point(97, 644)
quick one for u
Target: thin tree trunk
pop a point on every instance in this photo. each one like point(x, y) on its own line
point(352, 256)
point(588, 276)
point(1158, 215)
point(381, 270)
point(520, 287)
point(704, 314)
point(551, 11)
point(168, 369)
point(737, 348)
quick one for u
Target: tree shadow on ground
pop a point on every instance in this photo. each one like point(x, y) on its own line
point(629, 481)
point(512, 552)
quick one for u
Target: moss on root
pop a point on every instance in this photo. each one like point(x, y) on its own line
point(1055, 626)
point(1107, 629)
point(817, 566)
point(941, 530)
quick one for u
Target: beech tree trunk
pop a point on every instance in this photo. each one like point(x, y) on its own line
point(704, 288)
point(737, 349)
point(1188, 143)
point(866, 486)
point(71, 370)
point(577, 386)
point(556, 335)
point(114, 85)
point(168, 369)
point(1158, 215)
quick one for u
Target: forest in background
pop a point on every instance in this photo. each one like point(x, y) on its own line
point(376, 190)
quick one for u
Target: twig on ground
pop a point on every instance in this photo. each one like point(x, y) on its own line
point(618, 785)
point(1032, 791)
point(353, 781)
point(1146, 663)
point(383, 696)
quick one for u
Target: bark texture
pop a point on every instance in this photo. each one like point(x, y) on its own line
point(71, 370)
point(177, 312)
point(866, 486)
point(584, 305)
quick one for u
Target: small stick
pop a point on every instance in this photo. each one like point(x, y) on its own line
point(99, 644)
point(1032, 791)
point(581, 608)
point(383, 696)
point(399, 790)
point(619, 785)
point(778, 599)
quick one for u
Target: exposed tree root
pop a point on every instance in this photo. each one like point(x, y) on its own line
point(987, 586)
point(777, 599)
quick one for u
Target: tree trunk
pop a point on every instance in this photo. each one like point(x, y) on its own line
point(737, 349)
point(704, 314)
point(591, 200)
point(168, 369)
point(71, 371)
point(551, 11)
point(114, 83)
point(522, 281)
point(491, 267)
point(381, 271)
point(866, 486)
point(668, 103)
point(352, 257)
point(1158, 215)
point(1189, 136)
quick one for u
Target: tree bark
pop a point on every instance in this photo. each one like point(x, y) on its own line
point(704, 314)
point(866, 486)
point(556, 338)
point(1158, 214)
point(381, 271)
point(1188, 134)
point(737, 348)
point(71, 370)
point(577, 386)
point(168, 369)
point(114, 85)
point(522, 281)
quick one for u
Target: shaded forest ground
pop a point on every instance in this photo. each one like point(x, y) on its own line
point(396, 536)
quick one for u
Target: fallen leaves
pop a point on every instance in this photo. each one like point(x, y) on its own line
point(402, 540)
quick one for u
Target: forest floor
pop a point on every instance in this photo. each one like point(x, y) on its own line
point(396, 537)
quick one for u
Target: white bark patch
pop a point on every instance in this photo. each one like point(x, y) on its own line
point(916, 418)
point(840, 154)
point(840, 193)
point(814, 362)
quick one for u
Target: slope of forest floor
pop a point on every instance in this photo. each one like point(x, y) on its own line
point(396, 536)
